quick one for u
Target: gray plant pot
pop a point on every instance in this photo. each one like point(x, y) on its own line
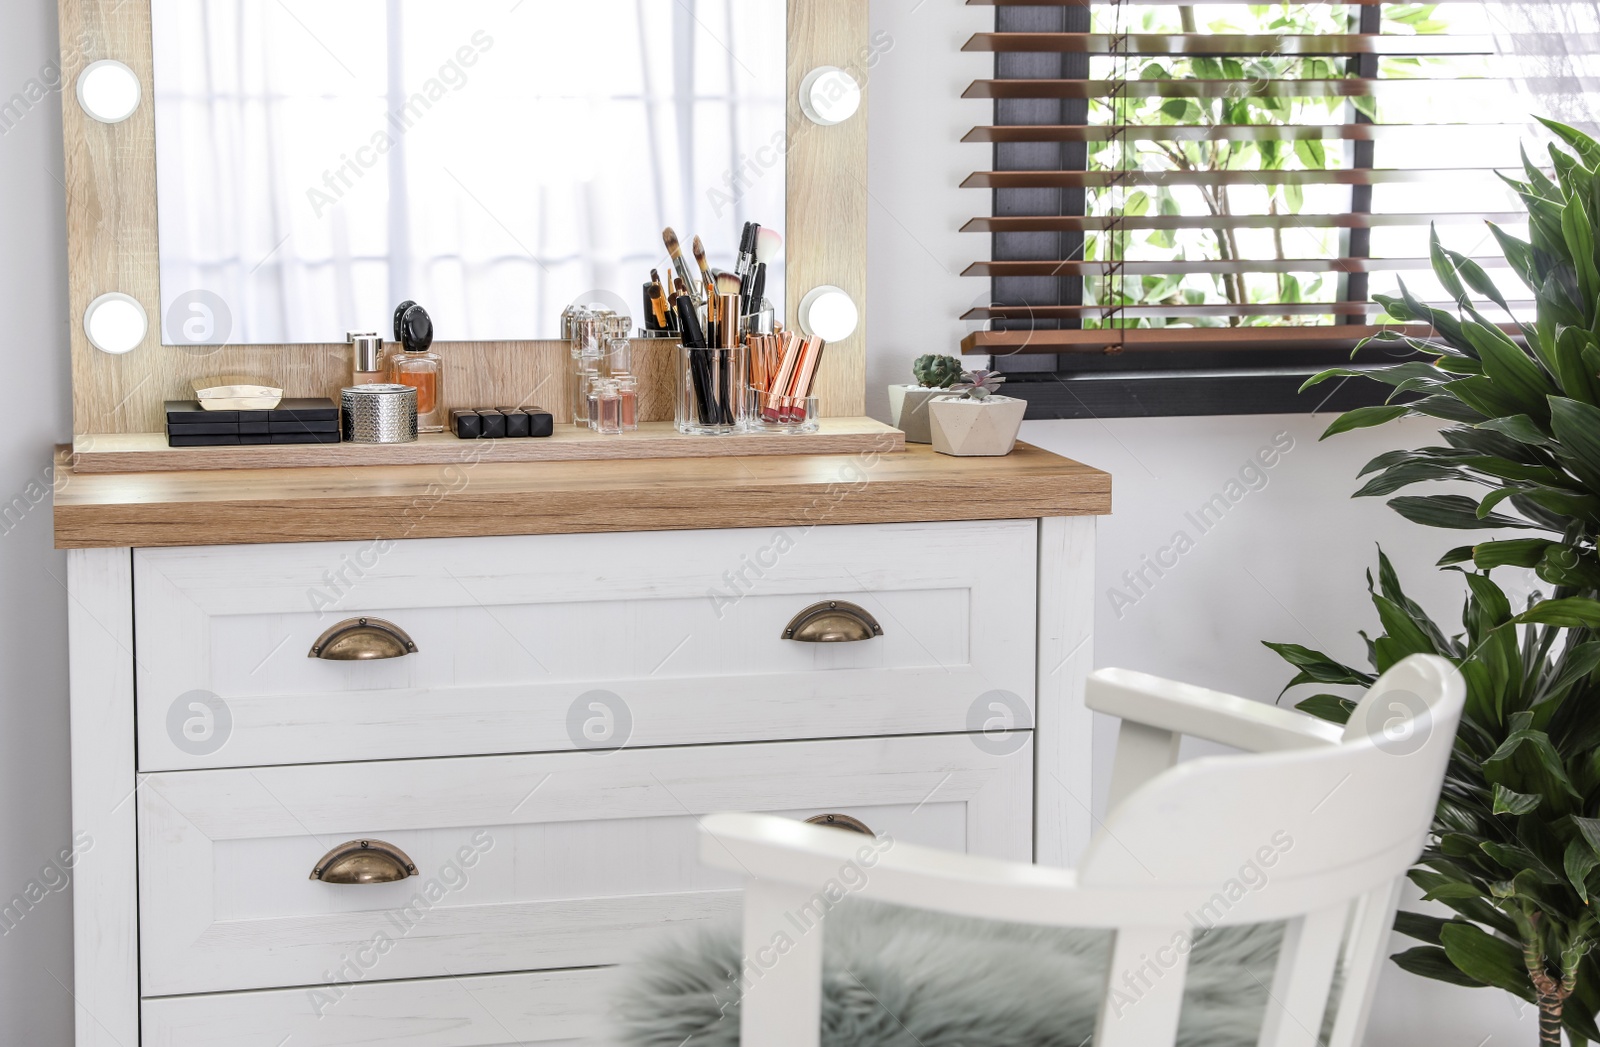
point(976, 427)
point(908, 411)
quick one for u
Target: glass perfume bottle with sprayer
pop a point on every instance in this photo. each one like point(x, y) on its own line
point(415, 366)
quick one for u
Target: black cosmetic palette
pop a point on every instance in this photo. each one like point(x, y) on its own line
point(503, 423)
point(293, 421)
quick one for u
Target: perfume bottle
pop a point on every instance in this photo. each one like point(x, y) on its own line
point(619, 368)
point(605, 407)
point(368, 352)
point(415, 366)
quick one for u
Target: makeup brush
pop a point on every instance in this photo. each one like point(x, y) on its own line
point(769, 245)
point(689, 323)
point(679, 288)
point(758, 288)
point(679, 263)
point(699, 360)
point(747, 249)
point(658, 304)
point(700, 256)
point(727, 283)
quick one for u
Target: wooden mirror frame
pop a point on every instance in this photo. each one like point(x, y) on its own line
point(112, 246)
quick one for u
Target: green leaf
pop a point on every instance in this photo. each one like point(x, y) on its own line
point(1577, 230)
point(1519, 255)
point(1329, 707)
point(1563, 565)
point(1578, 862)
point(1434, 963)
point(1318, 667)
point(1514, 803)
point(1448, 407)
point(1577, 426)
point(1520, 552)
point(1520, 428)
point(1586, 148)
point(1451, 511)
point(1578, 379)
point(1511, 369)
point(1544, 754)
point(1400, 476)
point(1571, 613)
point(1589, 829)
point(1365, 418)
point(1486, 958)
point(1312, 153)
point(1420, 926)
point(1486, 396)
point(1459, 555)
point(1444, 268)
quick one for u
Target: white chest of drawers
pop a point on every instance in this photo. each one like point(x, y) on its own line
point(568, 705)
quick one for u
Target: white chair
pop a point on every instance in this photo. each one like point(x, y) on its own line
point(1328, 818)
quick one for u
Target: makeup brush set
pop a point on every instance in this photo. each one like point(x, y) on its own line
point(663, 299)
point(737, 369)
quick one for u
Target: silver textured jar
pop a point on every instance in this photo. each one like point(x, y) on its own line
point(379, 414)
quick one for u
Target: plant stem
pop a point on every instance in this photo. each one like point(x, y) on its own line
point(1552, 994)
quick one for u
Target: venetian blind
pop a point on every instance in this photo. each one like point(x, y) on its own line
point(1230, 175)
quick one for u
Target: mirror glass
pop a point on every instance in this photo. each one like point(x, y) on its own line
point(320, 161)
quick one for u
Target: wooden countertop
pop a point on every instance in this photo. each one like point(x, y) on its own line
point(466, 499)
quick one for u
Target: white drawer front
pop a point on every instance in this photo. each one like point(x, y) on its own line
point(550, 1009)
point(676, 636)
point(524, 862)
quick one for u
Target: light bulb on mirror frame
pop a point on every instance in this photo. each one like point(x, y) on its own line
point(116, 323)
point(109, 91)
point(829, 313)
point(829, 95)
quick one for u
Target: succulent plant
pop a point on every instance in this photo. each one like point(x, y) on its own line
point(936, 372)
point(978, 385)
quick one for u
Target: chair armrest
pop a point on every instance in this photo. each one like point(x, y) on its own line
point(824, 864)
point(1212, 715)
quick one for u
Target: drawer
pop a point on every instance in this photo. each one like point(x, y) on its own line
point(547, 1009)
point(557, 642)
point(524, 863)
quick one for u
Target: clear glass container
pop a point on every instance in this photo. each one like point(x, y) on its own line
point(711, 383)
point(783, 414)
point(585, 371)
point(605, 407)
point(628, 394)
point(424, 373)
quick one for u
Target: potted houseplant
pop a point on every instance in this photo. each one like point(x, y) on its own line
point(908, 404)
point(1515, 853)
point(977, 422)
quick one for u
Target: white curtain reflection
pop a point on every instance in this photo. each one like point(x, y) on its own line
point(493, 159)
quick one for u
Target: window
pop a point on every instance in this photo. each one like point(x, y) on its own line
point(1193, 205)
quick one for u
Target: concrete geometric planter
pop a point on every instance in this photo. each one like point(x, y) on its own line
point(976, 427)
point(908, 410)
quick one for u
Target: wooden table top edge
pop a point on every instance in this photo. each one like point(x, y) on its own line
point(323, 504)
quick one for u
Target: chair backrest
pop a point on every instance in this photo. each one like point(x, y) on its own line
point(1357, 812)
point(1319, 837)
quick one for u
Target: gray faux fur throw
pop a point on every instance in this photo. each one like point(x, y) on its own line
point(896, 977)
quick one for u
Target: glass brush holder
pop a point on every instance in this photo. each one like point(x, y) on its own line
point(711, 384)
point(782, 414)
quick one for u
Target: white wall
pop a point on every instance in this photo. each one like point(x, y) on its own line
point(35, 824)
point(1286, 563)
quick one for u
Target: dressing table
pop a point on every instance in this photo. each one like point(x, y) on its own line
point(413, 753)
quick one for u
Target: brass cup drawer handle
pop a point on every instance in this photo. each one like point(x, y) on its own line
point(364, 861)
point(841, 821)
point(362, 639)
point(832, 621)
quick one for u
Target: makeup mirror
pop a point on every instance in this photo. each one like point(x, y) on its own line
point(495, 159)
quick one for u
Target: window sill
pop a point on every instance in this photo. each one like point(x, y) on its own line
point(1178, 394)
